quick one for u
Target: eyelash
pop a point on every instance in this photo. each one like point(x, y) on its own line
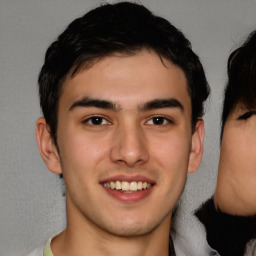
point(246, 115)
point(100, 118)
point(163, 119)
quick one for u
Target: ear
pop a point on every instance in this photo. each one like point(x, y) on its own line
point(47, 147)
point(196, 152)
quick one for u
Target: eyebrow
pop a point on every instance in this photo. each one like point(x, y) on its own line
point(104, 104)
point(162, 103)
point(95, 103)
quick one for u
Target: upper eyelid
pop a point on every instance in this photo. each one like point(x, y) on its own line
point(86, 119)
point(161, 116)
point(246, 115)
point(170, 120)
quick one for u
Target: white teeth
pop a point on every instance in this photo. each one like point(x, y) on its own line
point(118, 185)
point(139, 185)
point(133, 186)
point(127, 186)
point(144, 185)
point(112, 184)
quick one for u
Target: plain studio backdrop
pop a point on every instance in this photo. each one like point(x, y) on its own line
point(32, 206)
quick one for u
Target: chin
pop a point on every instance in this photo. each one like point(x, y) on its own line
point(132, 229)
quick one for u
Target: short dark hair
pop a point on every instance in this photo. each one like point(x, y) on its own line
point(241, 85)
point(117, 28)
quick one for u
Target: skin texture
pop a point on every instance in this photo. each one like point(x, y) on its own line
point(132, 138)
point(236, 185)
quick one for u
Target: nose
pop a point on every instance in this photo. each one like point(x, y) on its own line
point(130, 146)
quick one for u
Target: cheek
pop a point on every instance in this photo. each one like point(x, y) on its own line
point(246, 150)
point(172, 153)
point(80, 154)
point(172, 158)
point(229, 148)
point(80, 161)
point(238, 148)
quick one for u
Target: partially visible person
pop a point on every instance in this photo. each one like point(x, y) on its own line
point(230, 216)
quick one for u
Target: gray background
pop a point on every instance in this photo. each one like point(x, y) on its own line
point(31, 205)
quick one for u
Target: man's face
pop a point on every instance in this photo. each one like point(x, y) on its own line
point(124, 138)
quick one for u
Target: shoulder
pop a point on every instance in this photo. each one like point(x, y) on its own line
point(250, 248)
point(183, 229)
point(228, 234)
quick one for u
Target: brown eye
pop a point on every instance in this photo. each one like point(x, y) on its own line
point(158, 120)
point(96, 120)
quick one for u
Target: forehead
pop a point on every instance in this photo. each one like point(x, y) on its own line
point(124, 79)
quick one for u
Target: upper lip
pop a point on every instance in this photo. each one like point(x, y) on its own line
point(136, 178)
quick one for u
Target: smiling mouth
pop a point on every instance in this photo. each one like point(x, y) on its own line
point(127, 187)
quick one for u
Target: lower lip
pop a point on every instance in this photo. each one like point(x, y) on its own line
point(129, 197)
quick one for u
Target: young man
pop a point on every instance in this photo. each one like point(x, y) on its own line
point(122, 95)
point(230, 217)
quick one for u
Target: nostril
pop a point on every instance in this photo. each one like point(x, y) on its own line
point(129, 149)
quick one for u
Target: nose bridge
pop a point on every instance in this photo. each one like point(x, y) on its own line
point(130, 146)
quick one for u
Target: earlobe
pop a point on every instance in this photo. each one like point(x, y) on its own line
point(196, 152)
point(47, 147)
